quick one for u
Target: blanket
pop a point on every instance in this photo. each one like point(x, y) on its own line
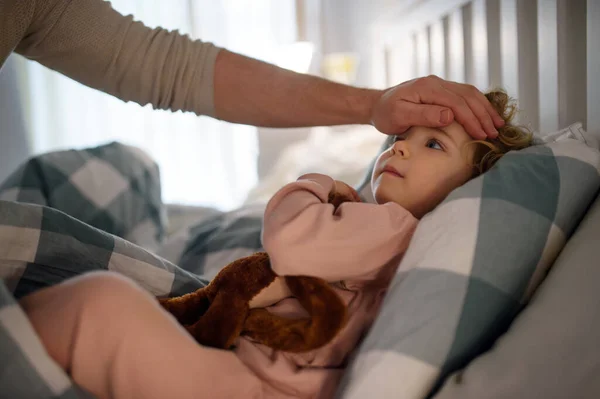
point(66, 213)
point(69, 212)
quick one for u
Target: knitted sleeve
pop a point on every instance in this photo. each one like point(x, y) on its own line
point(92, 43)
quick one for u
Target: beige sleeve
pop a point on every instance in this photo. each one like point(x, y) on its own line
point(92, 43)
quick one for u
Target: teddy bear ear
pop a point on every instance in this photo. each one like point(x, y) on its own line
point(336, 199)
point(327, 316)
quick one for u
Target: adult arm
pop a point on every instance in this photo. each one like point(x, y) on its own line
point(257, 93)
point(92, 43)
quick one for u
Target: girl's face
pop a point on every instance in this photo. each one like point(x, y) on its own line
point(422, 167)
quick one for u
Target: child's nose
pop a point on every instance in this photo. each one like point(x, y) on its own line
point(400, 147)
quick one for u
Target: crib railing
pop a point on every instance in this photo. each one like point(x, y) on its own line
point(546, 53)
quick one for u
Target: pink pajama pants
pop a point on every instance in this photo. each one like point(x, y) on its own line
point(114, 340)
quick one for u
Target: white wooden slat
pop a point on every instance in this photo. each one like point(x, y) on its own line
point(572, 87)
point(300, 20)
point(401, 61)
point(456, 47)
point(492, 12)
point(548, 64)
point(423, 53)
point(313, 22)
point(437, 49)
point(387, 55)
point(378, 69)
point(528, 90)
point(593, 66)
point(405, 16)
point(546, 53)
point(479, 45)
point(466, 13)
point(509, 47)
point(446, 32)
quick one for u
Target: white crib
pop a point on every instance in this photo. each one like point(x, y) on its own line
point(546, 53)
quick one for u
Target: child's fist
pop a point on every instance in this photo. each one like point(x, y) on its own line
point(341, 193)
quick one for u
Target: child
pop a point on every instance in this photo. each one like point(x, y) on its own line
point(116, 341)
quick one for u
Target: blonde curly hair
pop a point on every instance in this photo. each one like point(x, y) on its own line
point(510, 137)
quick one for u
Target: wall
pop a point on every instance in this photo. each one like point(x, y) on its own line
point(13, 135)
point(334, 26)
point(348, 27)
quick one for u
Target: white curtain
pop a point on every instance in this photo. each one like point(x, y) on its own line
point(203, 161)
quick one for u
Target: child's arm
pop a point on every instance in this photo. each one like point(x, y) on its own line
point(304, 235)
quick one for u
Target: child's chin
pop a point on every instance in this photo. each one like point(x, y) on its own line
point(382, 196)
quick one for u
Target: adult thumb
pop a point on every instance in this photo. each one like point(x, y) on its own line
point(428, 115)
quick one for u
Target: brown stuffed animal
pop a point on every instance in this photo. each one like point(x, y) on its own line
point(234, 301)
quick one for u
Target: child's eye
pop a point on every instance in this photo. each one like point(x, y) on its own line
point(434, 144)
point(398, 138)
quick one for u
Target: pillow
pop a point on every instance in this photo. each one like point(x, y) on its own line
point(364, 189)
point(550, 349)
point(574, 131)
point(113, 187)
point(471, 265)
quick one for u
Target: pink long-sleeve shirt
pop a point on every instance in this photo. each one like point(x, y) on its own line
point(358, 243)
point(115, 340)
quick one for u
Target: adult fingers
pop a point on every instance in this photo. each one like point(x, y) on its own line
point(431, 91)
point(479, 104)
point(410, 114)
point(471, 108)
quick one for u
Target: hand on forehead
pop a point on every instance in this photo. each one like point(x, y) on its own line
point(435, 102)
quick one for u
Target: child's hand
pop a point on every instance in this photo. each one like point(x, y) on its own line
point(341, 193)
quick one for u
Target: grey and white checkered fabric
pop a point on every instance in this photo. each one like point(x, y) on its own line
point(73, 208)
point(113, 187)
point(471, 266)
point(42, 246)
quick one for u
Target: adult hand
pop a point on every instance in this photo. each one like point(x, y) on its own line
point(435, 102)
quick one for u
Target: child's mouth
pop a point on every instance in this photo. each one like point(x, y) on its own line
point(392, 171)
